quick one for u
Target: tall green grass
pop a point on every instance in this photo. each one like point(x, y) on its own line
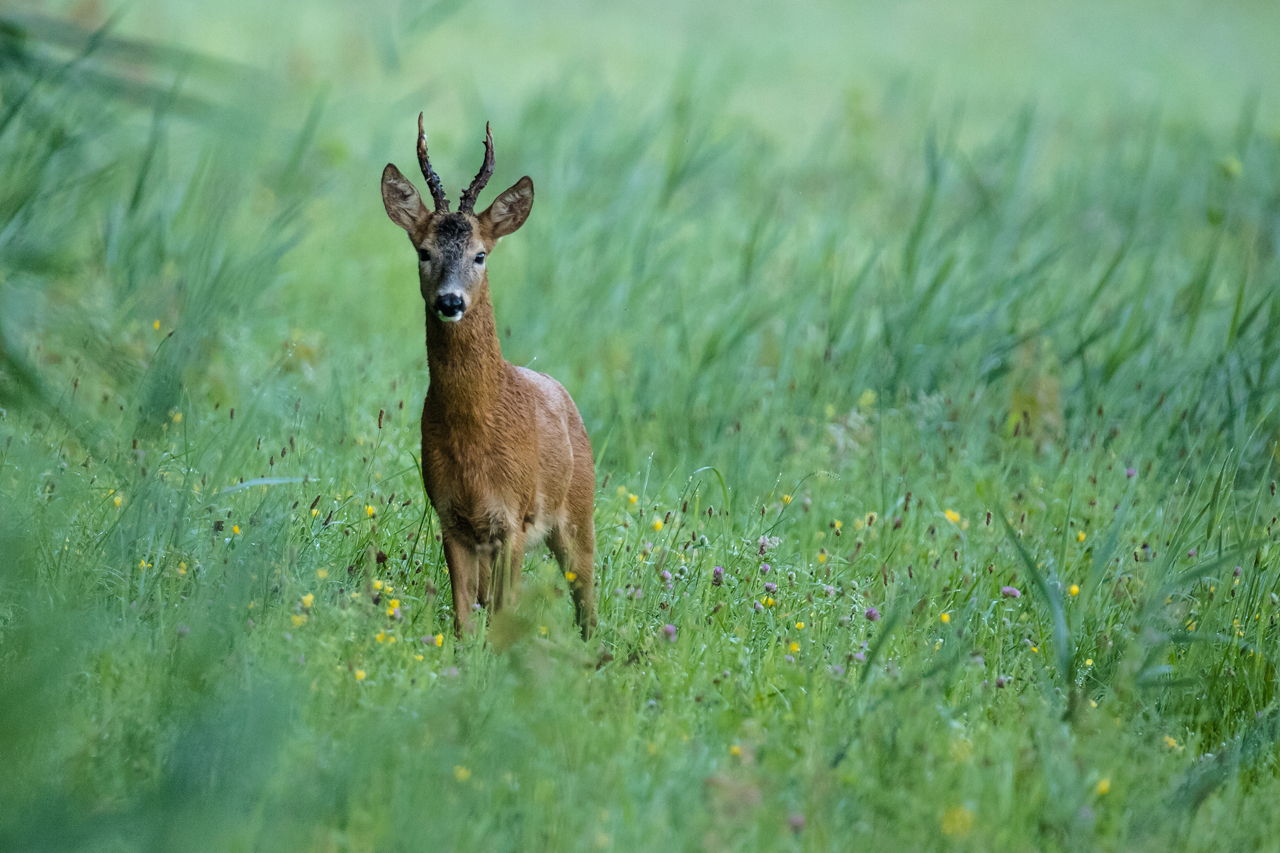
point(920, 365)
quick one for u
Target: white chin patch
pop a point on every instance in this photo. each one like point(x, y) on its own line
point(454, 319)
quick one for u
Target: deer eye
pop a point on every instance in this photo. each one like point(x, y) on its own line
point(424, 256)
point(480, 258)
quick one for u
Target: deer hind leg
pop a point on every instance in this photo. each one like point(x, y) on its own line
point(573, 545)
point(464, 577)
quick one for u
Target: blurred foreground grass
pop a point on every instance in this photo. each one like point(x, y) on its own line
point(935, 424)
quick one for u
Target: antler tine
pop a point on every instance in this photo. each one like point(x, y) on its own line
point(433, 180)
point(468, 201)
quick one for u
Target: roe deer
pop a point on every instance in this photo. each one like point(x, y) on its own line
point(505, 456)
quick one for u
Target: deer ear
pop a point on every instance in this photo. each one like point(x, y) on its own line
point(402, 201)
point(508, 211)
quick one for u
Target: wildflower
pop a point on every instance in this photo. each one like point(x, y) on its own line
point(793, 647)
point(235, 528)
point(632, 499)
point(769, 602)
point(770, 587)
point(377, 584)
point(952, 516)
point(439, 640)
point(1103, 786)
point(946, 618)
point(665, 575)
point(828, 590)
point(1074, 589)
point(381, 637)
point(307, 600)
point(571, 576)
point(417, 657)
point(799, 626)
point(788, 659)
point(786, 499)
point(717, 576)
point(871, 519)
point(1081, 536)
point(957, 821)
point(670, 631)
point(1010, 592)
point(322, 573)
point(837, 669)
point(298, 620)
point(182, 568)
point(1088, 661)
point(868, 399)
point(822, 555)
point(768, 543)
point(765, 568)
point(622, 490)
point(1171, 743)
point(872, 614)
point(1001, 681)
point(735, 750)
point(177, 417)
point(758, 607)
point(860, 657)
point(156, 325)
point(796, 822)
point(1130, 473)
point(118, 500)
point(461, 773)
point(314, 513)
point(657, 524)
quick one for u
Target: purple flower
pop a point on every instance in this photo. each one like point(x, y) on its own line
point(764, 568)
point(788, 659)
point(872, 614)
point(666, 575)
point(717, 576)
point(837, 669)
point(797, 823)
point(1010, 592)
point(1131, 472)
point(828, 590)
point(670, 631)
point(1001, 682)
point(1191, 553)
point(771, 588)
point(759, 608)
point(860, 657)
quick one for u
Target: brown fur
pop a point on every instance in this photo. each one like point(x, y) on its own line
point(505, 457)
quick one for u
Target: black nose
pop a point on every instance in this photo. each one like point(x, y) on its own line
point(449, 305)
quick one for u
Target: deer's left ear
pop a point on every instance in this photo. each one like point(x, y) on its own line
point(508, 211)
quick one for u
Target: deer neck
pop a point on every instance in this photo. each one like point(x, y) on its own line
point(465, 363)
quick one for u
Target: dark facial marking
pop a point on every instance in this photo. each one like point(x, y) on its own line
point(453, 234)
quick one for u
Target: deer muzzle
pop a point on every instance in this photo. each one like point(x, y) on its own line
point(450, 307)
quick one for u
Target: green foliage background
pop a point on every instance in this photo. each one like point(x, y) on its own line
point(915, 304)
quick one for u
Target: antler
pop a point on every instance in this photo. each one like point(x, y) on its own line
point(468, 201)
point(433, 180)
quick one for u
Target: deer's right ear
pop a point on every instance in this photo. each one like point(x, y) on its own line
point(402, 201)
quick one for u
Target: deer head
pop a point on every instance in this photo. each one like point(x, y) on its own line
point(452, 247)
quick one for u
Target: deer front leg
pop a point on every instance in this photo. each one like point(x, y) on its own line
point(464, 577)
point(500, 573)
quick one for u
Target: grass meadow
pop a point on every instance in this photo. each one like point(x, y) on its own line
point(929, 353)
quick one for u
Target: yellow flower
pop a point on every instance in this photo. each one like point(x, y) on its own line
point(1088, 661)
point(868, 399)
point(369, 510)
point(381, 637)
point(794, 647)
point(1171, 743)
point(800, 626)
point(632, 499)
point(768, 601)
point(657, 524)
point(235, 528)
point(417, 657)
point(735, 750)
point(946, 618)
point(542, 629)
point(314, 513)
point(1074, 589)
point(1103, 786)
point(360, 673)
point(958, 820)
point(461, 773)
point(119, 500)
point(439, 638)
point(177, 417)
point(786, 499)
point(298, 620)
point(952, 516)
point(837, 524)
point(395, 602)
point(156, 325)
point(307, 600)
point(377, 584)
point(822, 555)
point(1080, 537)
point(622, 490)
point(1035, 649)
point(571, 576)
point(322, 573)
point(182, 568)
